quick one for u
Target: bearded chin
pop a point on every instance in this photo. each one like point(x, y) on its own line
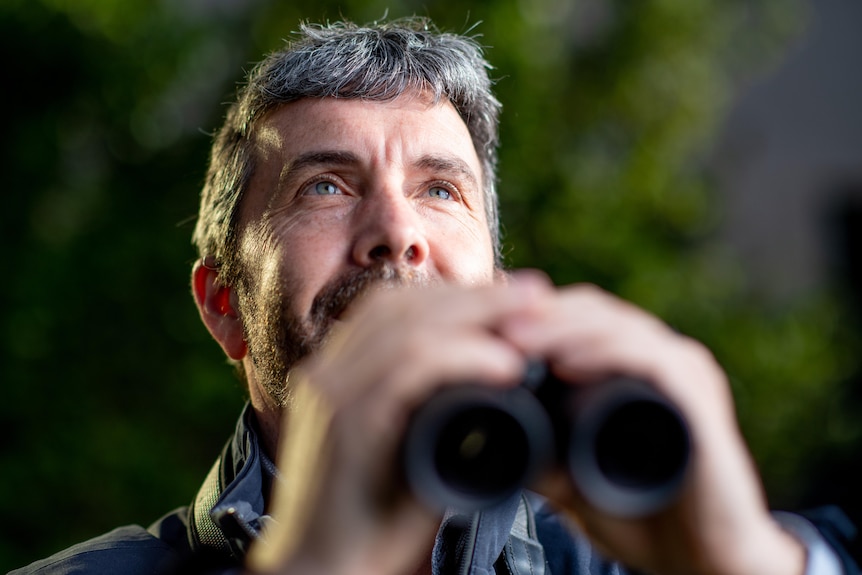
point(277, 346)
point(278, 339)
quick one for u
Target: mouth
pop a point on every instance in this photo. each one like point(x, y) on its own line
point(345, 309)
point(339, 317)
point(334, 306)
point(334, 302)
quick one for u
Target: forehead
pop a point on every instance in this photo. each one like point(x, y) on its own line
point(397, 131)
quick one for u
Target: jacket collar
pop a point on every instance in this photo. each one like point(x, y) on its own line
point(466, 544)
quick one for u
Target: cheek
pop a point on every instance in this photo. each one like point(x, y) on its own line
point(259, 255)
point(261, 285)
point(311, 252)
point(462, 249)
point(313, 242)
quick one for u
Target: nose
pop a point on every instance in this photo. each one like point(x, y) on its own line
point(389, 230)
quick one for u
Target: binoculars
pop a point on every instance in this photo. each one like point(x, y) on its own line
point(625, 447)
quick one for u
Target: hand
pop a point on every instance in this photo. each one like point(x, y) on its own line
point(341, 507)
point(721, 523)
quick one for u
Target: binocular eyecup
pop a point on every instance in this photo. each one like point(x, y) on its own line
point(625, 447)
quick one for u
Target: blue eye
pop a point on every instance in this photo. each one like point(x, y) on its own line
point(326, 189)
point(440, 192)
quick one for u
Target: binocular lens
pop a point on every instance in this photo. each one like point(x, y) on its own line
point(471, 446)
point(482, 450)
point(641, 445)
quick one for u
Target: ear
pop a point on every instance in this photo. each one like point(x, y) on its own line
point(217, 306)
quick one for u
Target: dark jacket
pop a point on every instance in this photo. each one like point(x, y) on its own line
point(520, 536)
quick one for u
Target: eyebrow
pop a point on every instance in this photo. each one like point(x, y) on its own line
point(449, 165)
point(428, 162)
point(316, 159)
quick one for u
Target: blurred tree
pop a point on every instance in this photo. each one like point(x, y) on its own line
point(611, 109)
point(116, 400)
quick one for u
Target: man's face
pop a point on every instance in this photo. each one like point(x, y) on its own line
point(349, 194)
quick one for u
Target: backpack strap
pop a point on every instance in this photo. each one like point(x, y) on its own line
point(523, 553)
point(204, 534)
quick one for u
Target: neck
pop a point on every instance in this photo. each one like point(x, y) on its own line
point(269, 420)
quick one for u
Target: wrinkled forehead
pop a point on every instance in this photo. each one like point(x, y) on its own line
point(340, 119)
point(400, 132)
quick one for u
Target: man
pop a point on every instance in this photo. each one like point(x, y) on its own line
point(350, 268)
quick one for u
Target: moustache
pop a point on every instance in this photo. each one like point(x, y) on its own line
point(339, 293)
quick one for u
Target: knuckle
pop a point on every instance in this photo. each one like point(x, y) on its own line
point(590, 290)
point(696, 351)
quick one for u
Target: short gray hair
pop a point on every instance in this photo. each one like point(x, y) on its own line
point(378, 62)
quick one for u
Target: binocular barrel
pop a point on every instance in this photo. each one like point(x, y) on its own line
point(625, 447)
point(470, 447)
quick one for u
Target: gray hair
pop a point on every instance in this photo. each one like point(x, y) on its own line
point(343, 60)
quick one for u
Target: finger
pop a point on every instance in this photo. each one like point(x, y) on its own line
point(405, 371)
point(446, 304)
point(448, 333)
point(588, 334)
point(579, 316)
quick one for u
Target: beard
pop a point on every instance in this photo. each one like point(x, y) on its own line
point(278, 339)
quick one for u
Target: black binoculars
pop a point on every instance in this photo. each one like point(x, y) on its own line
point(624, 445)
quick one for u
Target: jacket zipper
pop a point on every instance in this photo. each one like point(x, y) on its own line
point(470, 547)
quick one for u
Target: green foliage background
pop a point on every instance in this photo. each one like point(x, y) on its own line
point(115, 399)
